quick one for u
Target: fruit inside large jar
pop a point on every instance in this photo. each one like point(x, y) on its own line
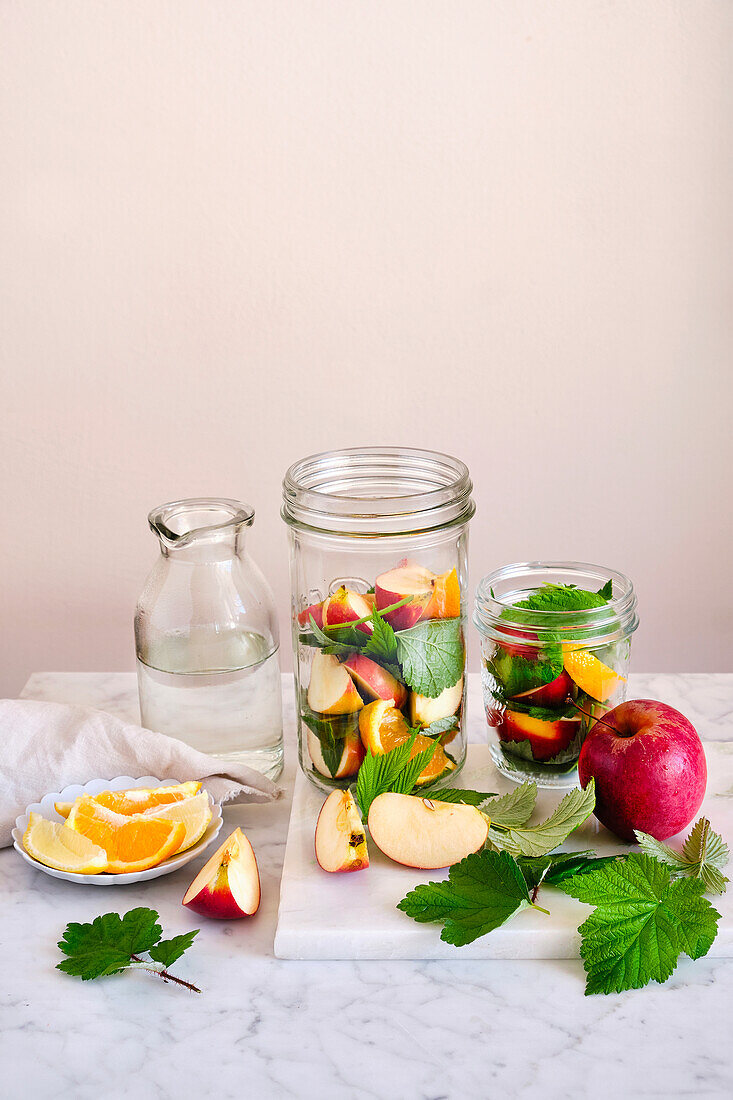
point(545, 683)
point(383, 666)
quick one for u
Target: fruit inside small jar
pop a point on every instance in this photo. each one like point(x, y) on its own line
point(384, 665)
point(547, 688)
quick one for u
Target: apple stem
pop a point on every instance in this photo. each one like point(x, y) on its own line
point(589, 715)
point(143, 964)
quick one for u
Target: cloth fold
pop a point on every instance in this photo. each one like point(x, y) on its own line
point(46, 746)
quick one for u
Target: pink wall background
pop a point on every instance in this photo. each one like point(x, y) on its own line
point(235, 233)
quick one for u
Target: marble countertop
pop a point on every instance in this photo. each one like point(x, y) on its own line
point(267, 1027)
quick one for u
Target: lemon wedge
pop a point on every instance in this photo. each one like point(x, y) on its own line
point(195, 813)
point(57, 846)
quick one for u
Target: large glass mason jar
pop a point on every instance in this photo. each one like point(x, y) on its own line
point(555, 647)
point(207, 637)
point(378, 560)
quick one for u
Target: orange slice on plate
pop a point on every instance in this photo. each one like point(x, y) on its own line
point(131, 843)
point(58, 846)
point(195, 813)
point(136, 800)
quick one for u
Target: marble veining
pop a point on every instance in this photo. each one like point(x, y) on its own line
point(362, 1029)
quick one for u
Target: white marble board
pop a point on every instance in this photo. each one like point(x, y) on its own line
point(354, 916)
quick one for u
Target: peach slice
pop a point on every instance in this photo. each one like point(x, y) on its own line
point(346, 606)
point(340, 840)
point(424, 832)
point(331, 689)
point(374, 681)
point(351, 757)
point(424, 710)
point(228, 885)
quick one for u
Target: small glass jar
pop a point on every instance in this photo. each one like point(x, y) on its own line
point(555, 646)
point(206, 637)
point(378, 548)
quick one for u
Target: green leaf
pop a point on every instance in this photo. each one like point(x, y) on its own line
point(382, 645)
point(515, 674)
point(704, 855)
point(106, 945)
point(513, 808)
point(480, 893)
point(544, 714)
point(332, 727)
point(440, 726)
point(350, 640)
point(641, 924)
point(606, 592)
point(559, 866)
point(168, 951)
point(432, 655)
point(563, 597)
point(538, 840)
point(407, 778)
point(380, 772)
point(522, 750)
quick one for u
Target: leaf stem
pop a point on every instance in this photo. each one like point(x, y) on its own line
point(539, 907)
point(381, 611)
point(148, 964)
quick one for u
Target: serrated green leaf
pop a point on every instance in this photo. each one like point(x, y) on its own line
point(407, 778)
point(456, 794)
point(167, 951)
point(382, 645)
point(515, 674)
point(555, 868)
point(703, 856)
point(380, 771)
point(106, 945)
point(481, 893)
point(606, 592)
point(642, 923)
point(537, 840)
point(513, 808)
point(440, 726)
point(431, 655)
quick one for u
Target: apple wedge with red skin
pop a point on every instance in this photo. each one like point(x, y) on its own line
point(553, 694)
point(346, 607)
point(425, 710)
point(546, 738)
point(351, 756)
point(649, 766)
point(408, 579)
point(425, 832)
point(315, 611)
point(331, 690)
point(228, 885)
point(340, 840)
point(374, 681)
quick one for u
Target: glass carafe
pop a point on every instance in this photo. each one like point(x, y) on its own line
point(206, 637)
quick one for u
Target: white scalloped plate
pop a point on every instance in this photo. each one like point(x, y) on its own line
point(46, 808)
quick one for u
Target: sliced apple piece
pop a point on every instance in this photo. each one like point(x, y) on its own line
point(374, 681)
point(547, 738)
point(346, 606)
point(340, 839)
point(553, 694)
point(228, 885)
point(408, 579)
point(331, 689)
point(351, 757)
point(315, 611)
point(424, 710)
point(424, 832)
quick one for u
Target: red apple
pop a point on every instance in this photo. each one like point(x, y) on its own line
point(649, 768)
point(315, 611)
point(340, 839)
point(548, 695)
point(425, 832)
point(331, 690)
point(346, 606)
point(546, 738)
point(228, 885)
point(374, 681)
point(529, 652)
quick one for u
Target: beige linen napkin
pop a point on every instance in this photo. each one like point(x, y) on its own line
point(46, 746)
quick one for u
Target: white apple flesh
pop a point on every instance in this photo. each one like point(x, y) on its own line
point(351, 757)
point(340, 839)
point(424, 710)
point(331, 690)
point(228, 885)
point(424, 832)
point(374, 681)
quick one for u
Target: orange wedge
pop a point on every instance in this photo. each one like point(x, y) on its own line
point(445, 602)
point(383, 727)
point(136, 800)
point(195, 813)
point(131, 843)
point(591, 675)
